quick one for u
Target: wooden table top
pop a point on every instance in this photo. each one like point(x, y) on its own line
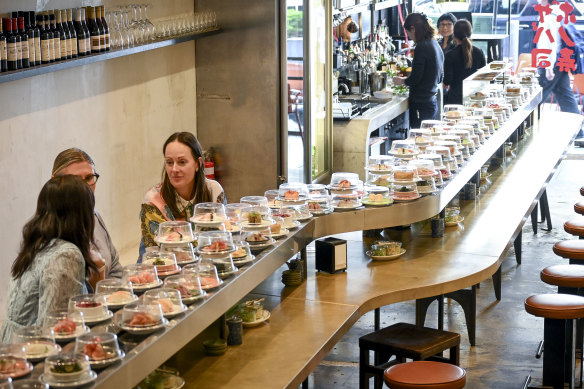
point(308, 320)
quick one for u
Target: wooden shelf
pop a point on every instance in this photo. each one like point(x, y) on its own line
point(80, 61)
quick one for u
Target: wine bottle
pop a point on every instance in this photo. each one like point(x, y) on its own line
point(51, 37)
point(100, 28)
point(3, 54)
point(94, 31)
point(11, 49)
point(37, 37)
point(72, 32)
point(81, 37)
point(18, 42)
point(23, 43)
point(31, 39)
point(105, 28)
point(86, 29)
point(56, 37)
point(44, 40)
point(65, 49)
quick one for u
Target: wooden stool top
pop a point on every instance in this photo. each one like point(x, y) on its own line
point(570, 276)
point(579, 207)
point(572, 249)
point(409, 340)
point(575, 226)
point(425, 374)
point(555, 306)
point(582, 191)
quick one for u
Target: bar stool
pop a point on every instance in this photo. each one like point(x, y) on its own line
point(572, 249)
point(403, 340)
point(582, 190)
point(579, 207)
point(575, 227)
point(425, 374)
point(559, 312)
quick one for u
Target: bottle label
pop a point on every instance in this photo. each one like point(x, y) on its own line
point(102, 44)
point(3, 54)
point(19, 51)
point(74, 46)
point(31, 52)
point(24, 49)
point(64, 49)
point(107, 41)
point(52, 49)
point(57, 48)
point(82, 45)
point(12, 52)
point(37, 49)
point(69, 47)
point(95, 43)
point(45, 51)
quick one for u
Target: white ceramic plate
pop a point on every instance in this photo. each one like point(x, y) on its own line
point(20, 372)
point(257, 226)
point(192, 299)
point(254, 246)
point(38, 354)
point(90, 376)
point(385, 257)
point(101, 364)
point(173, 243)
point(119, 305)
point(405, 200)
point(144, 330)
point(96, 320)
point(208, 223)
point(301, 199)
point(265, 316)
point(304, 218)
point(348, 208)
point(291, 226)
point(243, 260)
point(145, 287)
point(80, 330)
point(283, 232)
point(175, 312)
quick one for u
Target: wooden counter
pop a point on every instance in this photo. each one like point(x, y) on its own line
point(308, 320)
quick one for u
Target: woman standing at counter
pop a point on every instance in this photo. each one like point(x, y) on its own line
point(461, 62)
point(426, 70)
point(78, 163)
point(54, 254)
point(183, 185)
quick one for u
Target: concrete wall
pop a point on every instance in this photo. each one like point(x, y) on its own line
point(119, 111)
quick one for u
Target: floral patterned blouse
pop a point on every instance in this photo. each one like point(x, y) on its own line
point(155, 210)
point(56, 274)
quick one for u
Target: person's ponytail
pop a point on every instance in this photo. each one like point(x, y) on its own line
point(467, 52)
point(462, 32)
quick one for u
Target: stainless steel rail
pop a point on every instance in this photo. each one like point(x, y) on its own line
point(159, 347)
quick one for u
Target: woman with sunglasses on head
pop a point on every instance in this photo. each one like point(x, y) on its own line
point(461, 62)
point(54, 257)
point(445, 29)
point(183, 186)
point(78, 163)
point(426, 70)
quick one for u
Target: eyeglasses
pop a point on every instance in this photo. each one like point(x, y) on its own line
point(445, 25)
point(91, 179)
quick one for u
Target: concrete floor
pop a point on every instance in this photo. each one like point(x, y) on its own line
point(507, 337)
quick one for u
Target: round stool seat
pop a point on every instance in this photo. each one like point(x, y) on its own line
point(572, 249)
point(575, 226)
point(579, 207)
point(425, 374)
point(569, 276)
point(582, 191)
point(555, 306)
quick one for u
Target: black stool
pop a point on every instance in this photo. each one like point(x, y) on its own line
point(403, 340)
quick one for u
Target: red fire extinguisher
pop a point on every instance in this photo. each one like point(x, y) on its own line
point(210, 164)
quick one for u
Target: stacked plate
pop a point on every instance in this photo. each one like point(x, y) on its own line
point(291, 277)
point(215, 346)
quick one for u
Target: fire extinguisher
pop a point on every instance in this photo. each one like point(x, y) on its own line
point(209, 165)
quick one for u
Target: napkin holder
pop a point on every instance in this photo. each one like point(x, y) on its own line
point(331, 255)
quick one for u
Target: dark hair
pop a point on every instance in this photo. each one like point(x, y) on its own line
point(200, 192)
point(68, 157)
point(447, 16)
point(352, 28)
point(462, 32)
point(423, 28)
point(64, 211)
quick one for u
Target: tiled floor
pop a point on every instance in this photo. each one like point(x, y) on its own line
point(507, 337)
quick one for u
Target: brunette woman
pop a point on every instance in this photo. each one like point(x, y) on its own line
point(79, 163)
point(445, 29)
point(183, 185)
point(461, 62)
point(54, 255)
point(426, 70)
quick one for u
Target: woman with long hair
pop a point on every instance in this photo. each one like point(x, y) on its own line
point(461, 62)
point(183, 185)
point(426, 69)
point(78, 163)
point(54, 254)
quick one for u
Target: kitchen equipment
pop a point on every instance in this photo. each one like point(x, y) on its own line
point(377, 81)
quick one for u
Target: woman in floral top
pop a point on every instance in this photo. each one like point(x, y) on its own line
point(183, 185)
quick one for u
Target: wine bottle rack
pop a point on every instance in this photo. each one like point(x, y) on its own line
point(98, 57)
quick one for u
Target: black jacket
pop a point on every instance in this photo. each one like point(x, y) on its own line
point(427, 71)
point(455, 71)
